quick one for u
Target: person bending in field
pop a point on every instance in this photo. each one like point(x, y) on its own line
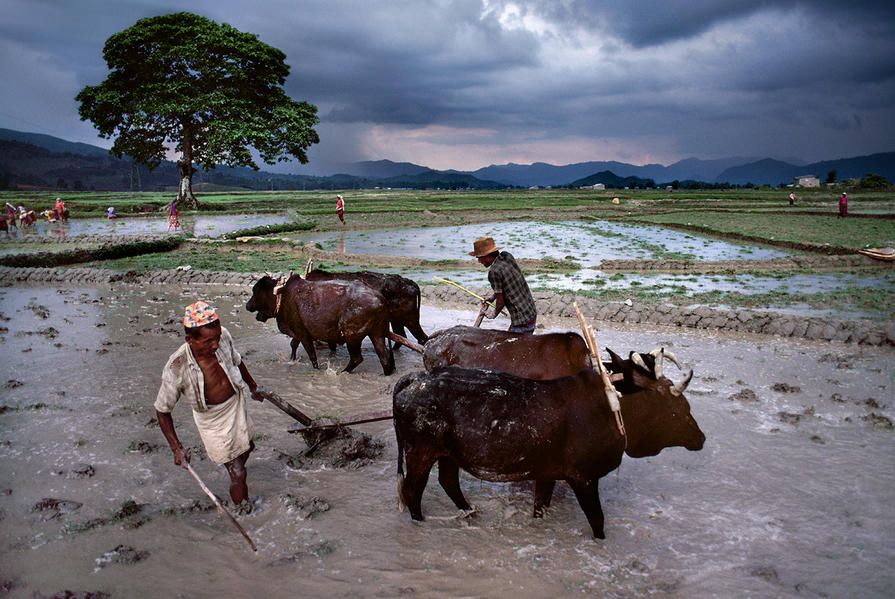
point(210, 374)
point(509, 286)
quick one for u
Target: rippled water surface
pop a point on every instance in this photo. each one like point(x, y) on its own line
point(201, 226)
point(792, 495)
point(586, 242)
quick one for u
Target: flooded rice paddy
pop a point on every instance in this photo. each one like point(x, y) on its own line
point(200, 226)
point(586, 242)
point(791, 496)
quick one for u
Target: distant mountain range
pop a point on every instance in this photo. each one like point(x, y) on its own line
point(33, 160)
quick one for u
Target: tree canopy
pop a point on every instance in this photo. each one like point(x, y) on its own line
point(207, 89)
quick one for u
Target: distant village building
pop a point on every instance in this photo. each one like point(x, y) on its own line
point(806, 181)
point(595, 187)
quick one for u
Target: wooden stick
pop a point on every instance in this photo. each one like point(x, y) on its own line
point(481, 316)
point(404, 341)
point(281, 403)
point(361, 420)
point(217, 504)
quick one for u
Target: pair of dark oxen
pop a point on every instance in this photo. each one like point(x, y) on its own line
point(508, 407)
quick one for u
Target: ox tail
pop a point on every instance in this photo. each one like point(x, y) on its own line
point(401, 504)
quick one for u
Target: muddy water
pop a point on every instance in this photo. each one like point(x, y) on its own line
point(791, 495)
point(200, 226)
point(586, 242)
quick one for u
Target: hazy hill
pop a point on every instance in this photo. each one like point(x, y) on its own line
point(774, 172)
point(84, 167)
point(48, 161)
point(613, 181)
point(54, 144)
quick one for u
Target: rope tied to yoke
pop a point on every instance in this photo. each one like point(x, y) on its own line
point(612, 394)
point(278, 291)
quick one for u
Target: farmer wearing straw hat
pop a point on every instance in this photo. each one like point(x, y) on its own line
point(508, 284)
point(209, 372)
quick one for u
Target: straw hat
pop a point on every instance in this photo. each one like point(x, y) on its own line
point(483, 246)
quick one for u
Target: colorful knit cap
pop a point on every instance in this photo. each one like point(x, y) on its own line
point(199, 314)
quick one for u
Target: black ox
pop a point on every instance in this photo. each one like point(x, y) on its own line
point(499, 427)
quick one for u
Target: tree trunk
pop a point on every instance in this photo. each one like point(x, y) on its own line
point(185, 166)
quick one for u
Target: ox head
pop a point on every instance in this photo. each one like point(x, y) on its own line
point(655, 410)
point(263, 300)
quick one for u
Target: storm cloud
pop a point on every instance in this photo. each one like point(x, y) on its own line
point(466, 83)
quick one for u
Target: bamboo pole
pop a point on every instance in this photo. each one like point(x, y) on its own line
point(612, 394)
point(218, 505)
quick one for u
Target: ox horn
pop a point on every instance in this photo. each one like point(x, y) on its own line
point(635, 357)
point(659, 354)
point(679, 388)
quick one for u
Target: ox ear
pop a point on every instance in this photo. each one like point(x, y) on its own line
point(617, 364)
point(642, 380)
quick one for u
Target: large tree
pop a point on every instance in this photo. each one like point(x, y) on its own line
point(205, 89)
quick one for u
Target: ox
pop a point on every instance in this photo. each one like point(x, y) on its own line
point(500, 427)
point(331, 311)
point(538, 357)
point(402, 297)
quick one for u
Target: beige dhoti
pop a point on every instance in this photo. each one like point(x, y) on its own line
point(225, 428)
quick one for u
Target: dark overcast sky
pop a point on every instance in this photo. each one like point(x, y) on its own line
point(466, 83)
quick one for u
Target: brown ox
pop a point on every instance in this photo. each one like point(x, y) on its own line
point(500, 427)
point(538, 357)
point(331, 311)
point(402, 297)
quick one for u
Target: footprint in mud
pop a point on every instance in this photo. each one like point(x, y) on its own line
point(122, 554)
point(51, 508)
point(144, 447)
point(78, 471)
point(785, 388)
point(745, 396)
point(306, 507)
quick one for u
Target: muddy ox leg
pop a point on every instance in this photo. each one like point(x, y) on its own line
point(419, 464)
point(354, 354)
point(294, 345)
point(384, 351)
point(449, 478)
point(589, 499)
point(308, 343)
point(543, 495)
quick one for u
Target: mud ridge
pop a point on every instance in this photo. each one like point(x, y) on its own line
point(858, 331)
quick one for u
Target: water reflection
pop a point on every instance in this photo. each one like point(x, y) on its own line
point(200, 226)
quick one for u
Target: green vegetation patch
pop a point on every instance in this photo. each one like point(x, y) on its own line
point(270, 229)
point(809, 229)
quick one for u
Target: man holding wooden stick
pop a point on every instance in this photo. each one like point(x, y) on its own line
point(509, 286)
point(209, 372)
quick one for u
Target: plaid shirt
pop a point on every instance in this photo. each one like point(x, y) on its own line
point(505, 277)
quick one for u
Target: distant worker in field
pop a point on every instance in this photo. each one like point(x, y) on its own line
point(110, 213)
point(843, 205)
point(509, 286)
point(10, 216)
point(792, 198)
point(60, 210)
point(340, 208)
point(211, 376)
point(173, 215)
